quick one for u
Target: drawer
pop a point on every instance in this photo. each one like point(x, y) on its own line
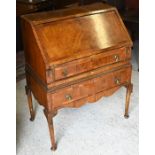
point(65, 70)
point(84, 89)
point(101, 83)
point(63, 96)
point(93, 62)
point(87, 88)
point(113, 56)
point(83, 65)
point(72, 68)
point(112, 79)
point(72, 93)
point(119, 77)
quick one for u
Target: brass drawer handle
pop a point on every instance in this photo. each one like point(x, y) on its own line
point(68, 97)
point(116, 57)
point(65, 72)
point(117, 81)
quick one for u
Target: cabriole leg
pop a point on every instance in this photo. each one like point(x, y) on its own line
point(49, 116)
point(128, 94)
point(29, 97)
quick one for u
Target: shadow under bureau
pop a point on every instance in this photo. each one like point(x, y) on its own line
point(75, 56)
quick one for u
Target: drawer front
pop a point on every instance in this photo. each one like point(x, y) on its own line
point(66, 70)
point(72, 68)
point(72, 93)
point(84, 89)
point(87, 88)
point(101, 83)
point(109, 58)
point(120, 76)
point(113, 79)
point(83, 65)
point(87, 64)
point(63, 96)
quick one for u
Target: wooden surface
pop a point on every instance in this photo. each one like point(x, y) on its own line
point(75, 56)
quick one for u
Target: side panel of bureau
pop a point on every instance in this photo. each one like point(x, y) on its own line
point(33, 56)
point(39, 93)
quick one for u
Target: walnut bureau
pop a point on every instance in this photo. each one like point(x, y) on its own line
point(75, 56)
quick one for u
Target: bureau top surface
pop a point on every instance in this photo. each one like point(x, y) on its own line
point(70, 34)
point(48, 16)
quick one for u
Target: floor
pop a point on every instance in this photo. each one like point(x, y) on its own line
point(93, 129)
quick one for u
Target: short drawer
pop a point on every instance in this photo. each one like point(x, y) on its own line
point(113, 56)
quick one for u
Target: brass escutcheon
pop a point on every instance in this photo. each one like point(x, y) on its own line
point(117, 81)
point(64, 72)
point(68, 97)
point(116, 57)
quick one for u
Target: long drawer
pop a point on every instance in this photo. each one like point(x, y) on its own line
point(89, 63)
point(87, 88)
